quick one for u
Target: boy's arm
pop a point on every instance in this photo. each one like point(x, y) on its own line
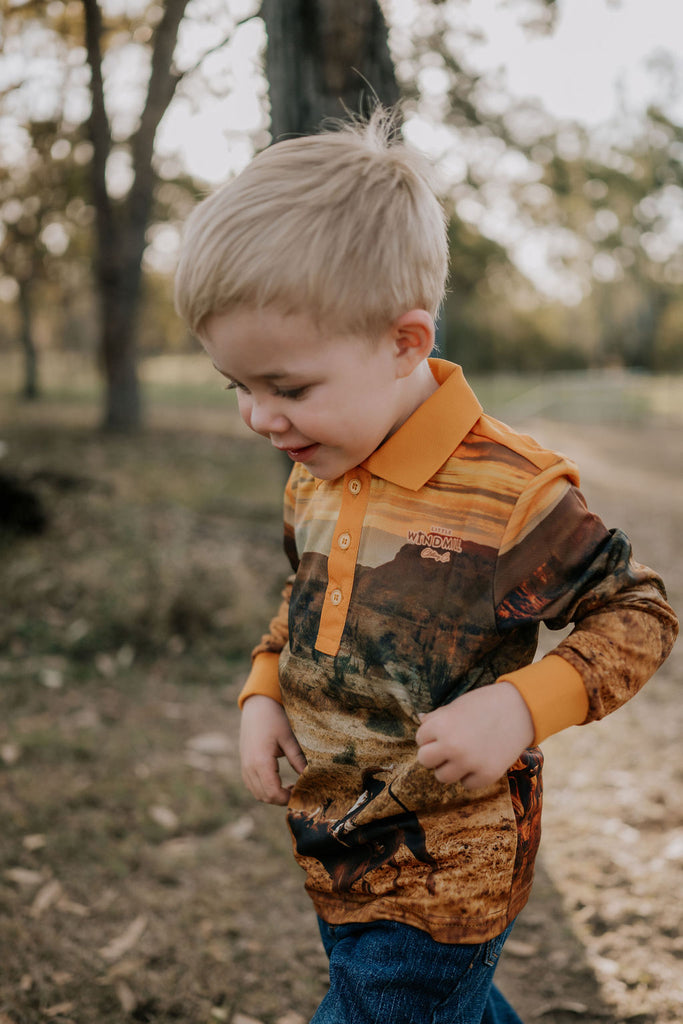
point(265, 732)
point(264, 677)
point(559, 565)
point(563, 566)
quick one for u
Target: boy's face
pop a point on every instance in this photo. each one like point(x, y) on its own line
point(326, 400)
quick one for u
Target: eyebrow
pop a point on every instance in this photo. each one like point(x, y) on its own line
point(276, 375)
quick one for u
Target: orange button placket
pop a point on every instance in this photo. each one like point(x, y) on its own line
point(341, 562)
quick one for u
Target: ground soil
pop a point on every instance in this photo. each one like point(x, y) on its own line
point(138, 880)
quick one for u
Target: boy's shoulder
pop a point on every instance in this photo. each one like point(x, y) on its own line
point(504, 443)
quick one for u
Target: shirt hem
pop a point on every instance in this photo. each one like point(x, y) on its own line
point(465, 930)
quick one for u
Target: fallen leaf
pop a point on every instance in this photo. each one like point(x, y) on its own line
point(164, 817)
point(46, 898)
point(202, 762)
point(674, 848)
point(242, 828)
point(126, 997)
point(123, 969)
point(513, 947)
point(185, 846)
point(24, 876)
point(34, 842)
point(105, 665)
point(70, 907)
point(129, 938)
point(62, 977)
point(10, 754)
point(77, 630)
point(212, 743)
point(125, 656)
point(59, 1009)
point(52, 678)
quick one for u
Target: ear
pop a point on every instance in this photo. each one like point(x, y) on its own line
point(413, 337)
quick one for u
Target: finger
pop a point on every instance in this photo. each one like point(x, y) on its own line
point(479, 779)
point(294, 754)
point(449, 772)
point(425, 734)
point(263, 781)
point(472, 781)
point(431, 755)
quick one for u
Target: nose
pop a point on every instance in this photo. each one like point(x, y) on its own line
point(265, 416)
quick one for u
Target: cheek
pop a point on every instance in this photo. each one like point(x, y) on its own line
point(244, 407)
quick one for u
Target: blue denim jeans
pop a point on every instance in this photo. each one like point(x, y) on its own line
point(391, 973)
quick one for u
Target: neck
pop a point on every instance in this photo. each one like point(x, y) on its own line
point(418, 388)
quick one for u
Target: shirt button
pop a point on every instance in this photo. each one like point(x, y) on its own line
point(344, 541)
point(335, 597)
point(355, 485)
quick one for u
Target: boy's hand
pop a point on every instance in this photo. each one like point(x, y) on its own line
point(265, 736)
point(475, 739)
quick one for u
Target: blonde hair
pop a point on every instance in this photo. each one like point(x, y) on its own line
point(344, 226)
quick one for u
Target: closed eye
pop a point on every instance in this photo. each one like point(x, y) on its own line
point(234, 385)
point(292, 393)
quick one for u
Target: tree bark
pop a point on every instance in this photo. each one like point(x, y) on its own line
point(121, 228)
point(30, 389)
point(325, 59)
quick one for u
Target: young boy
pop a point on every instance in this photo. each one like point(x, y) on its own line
point(427, 542)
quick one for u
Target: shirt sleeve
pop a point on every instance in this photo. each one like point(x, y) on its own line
point(263, 677)
point(560, 565)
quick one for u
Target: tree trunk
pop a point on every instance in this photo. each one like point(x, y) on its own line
point(121, 229)
point(30, 389)
point(325, 58)
point(648, 323)
point(119, 301)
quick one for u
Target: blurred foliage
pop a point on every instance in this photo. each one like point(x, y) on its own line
point(605, 209)
point(608, 215)
point(625, 204)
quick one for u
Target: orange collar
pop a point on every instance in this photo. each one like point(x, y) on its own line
point(412, 455)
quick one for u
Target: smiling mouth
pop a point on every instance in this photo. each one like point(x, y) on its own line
point(301, 454)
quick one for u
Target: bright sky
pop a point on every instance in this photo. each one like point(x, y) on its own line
point(597, 47)
point(598, 52)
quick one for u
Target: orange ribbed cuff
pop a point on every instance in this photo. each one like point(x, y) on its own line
point(264, 678)
point(554, 693)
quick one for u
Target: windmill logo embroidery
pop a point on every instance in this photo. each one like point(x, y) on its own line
point(437, 543)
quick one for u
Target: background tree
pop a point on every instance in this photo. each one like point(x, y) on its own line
point(43, 230)
point(71, 49)
point(325, 59)
point(612, 207)
point(121, 227)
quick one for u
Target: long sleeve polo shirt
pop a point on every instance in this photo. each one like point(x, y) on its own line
point(420, 575)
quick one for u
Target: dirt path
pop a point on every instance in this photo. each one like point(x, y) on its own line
point(612, 853)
